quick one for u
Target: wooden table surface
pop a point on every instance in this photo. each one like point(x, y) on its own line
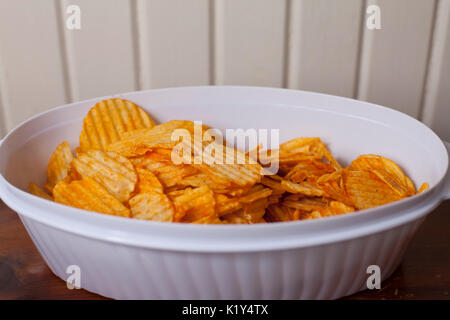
point(423, 274)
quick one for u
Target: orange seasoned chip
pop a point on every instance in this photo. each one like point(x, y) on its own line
point(200, 179)
point(308, 148)
point(234, 218)
point(152, 205)
point(278, 213)
point(333, 209)
point(229, 166)
point(304, 204)
point(114, 172)
point(170, 175)
point(87, 194)
point(250, 213)
point(167, 173)
point(37, 191)
point(256, 193)
point(59, 165)
point(306, 187)
point(148, 181)
point(333, 187)
point(163, 136)
point(275, 197)
point(273, 182)
point(232, 174)
point(226, 204)
point(109, 120)
point(255, 210)
point(366, 190)
point(193, 204)
point(309, 168)
point(423, 187)
point(387, 171)
point(208, 220)
point(299, 145)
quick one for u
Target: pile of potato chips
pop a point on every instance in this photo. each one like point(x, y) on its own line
point(124, 167)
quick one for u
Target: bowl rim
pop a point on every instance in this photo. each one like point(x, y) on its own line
point(427, 199)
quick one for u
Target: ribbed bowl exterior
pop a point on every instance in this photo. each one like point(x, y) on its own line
point(120, 271)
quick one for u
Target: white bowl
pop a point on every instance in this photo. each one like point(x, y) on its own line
point(316, 259)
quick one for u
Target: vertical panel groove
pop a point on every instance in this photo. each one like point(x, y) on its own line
point(360, 48)
point(364, 58)
point(395, 57)
point(143, 56)
point(436, 59)
point(219, 39)
point(293, 55)
point(5, 117)
point(136, 43)
point(60, 14)
point(428, 63)
point(212, 58)
point(323, 46)
point(287, 44)
point(68, 57)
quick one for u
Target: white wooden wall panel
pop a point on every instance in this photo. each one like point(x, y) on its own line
point(250, 42)
point(175, 42)
point(324, 46)
point(101, 55)
point(436, 111)
point(394, 59)
point(317, 45)
point(31, 64)
point(3, 101)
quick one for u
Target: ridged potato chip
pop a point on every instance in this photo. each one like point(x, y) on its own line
point(252, 206)
point(200, 179)
point(423, 187)
point(255, 210)
point(387, 171)
point(114, 172)
point(304, 203)
point(255, 193)
point(306, 187)
point(240, 175)
point(278, 213)
point(226, 205)
point(333, 209)
point(234, 218)
point(37, 191)
point(208, 220)
point(58, 167)
point(152, 205)
point(194, 204)
point(109, 120)
point(333, 187)
point(301, 149)
point(136, 143)
point(305, 169)
point(366, 190)
point(147, 181)
point(89, 195)
point(230, 167)
point(167, 173)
